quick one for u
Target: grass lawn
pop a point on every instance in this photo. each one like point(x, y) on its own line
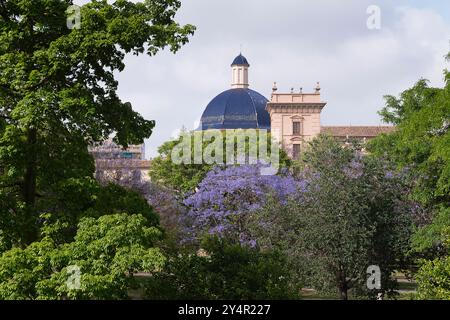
point(406, 289)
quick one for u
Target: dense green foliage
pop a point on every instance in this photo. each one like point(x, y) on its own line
point(433, 276)
point(429, 238)
point(107, 250)
point(186, 176)
point(223, 270)
point(351, 212)
point(421, 144)
point(77, 198)
point(58, 94)
point(319, 223)
point(422, 138)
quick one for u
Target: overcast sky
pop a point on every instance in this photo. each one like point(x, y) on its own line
point(295, 43)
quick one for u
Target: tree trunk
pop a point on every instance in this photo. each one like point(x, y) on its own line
point(29, 187)
point(343, 291)
point(342, 285)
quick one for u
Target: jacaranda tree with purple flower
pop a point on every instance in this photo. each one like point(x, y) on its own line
point(227, 195)
point(354, 212)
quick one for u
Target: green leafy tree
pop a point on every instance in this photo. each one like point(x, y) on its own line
point(428, 240)
point(107, 251)
point(421, 143)
point(80, 198)
point(223, 270)
point(433, 277)
point(58, 93)
point(77, 198)
point(185, 177)
point(350, 212)
point(421, 140)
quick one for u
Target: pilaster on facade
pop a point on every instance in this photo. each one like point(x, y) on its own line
point(295, 118)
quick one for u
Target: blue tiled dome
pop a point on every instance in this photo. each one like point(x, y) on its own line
point(236, 109)
point(240, 60)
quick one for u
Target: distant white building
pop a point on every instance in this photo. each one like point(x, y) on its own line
point(113, 162)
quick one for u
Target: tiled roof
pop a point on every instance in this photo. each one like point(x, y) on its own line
point(240, 60)
point(356, 131)
point(236, 109)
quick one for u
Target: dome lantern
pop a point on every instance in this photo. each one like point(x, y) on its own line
point(238, 107)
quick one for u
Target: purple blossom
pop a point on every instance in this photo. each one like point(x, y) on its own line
point(389, 174)
point(355, 169)
point(228, 194)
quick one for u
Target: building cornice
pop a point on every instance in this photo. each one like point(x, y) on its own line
point(295, 108)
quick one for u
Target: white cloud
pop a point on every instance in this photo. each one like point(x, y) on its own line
point(296, 43)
